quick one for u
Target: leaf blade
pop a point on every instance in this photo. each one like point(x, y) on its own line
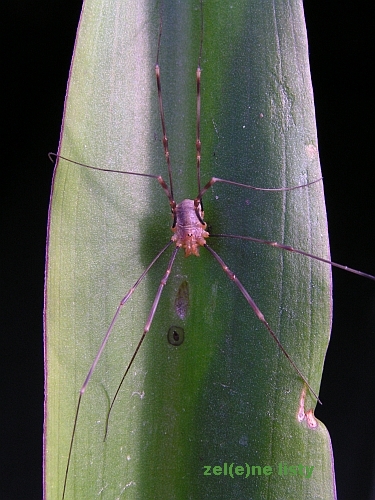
point(167, 410)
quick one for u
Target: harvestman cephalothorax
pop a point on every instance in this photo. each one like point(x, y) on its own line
point(190, 232)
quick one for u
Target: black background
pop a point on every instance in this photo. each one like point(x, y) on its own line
point(37, 45)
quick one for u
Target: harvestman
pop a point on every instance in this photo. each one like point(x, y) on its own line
point(190, 233)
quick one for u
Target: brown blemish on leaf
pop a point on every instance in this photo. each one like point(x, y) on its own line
point(303, 415)
point(181, 302)
point(311, 420)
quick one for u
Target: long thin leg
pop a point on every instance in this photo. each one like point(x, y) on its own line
point(259, 315)
point(147, 327)
point(159, 178)
point(102, 346)
point(293, 250)
point(161, 111)
point(198, 143)
point(198, 199)
point(233, 183)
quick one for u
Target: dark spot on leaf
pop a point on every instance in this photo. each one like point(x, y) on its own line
point(176, 335)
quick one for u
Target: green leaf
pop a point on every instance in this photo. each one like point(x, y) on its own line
point(226, 394)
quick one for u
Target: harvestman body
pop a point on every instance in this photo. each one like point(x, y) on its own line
point(189, 233)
